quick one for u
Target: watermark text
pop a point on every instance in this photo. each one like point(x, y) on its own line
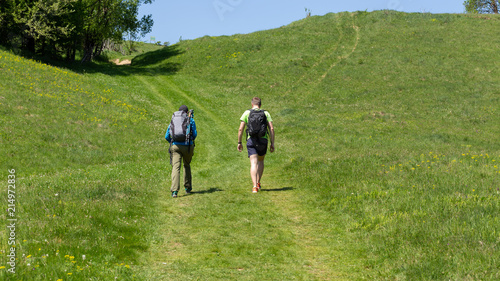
point(11, 220)
point(224, 6)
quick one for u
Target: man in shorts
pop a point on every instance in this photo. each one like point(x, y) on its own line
point(256, 146)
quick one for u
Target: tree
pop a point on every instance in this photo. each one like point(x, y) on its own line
point(6, 20)
point(63, 27)
point(482, 6)
point(111, 19)
point(43, 21)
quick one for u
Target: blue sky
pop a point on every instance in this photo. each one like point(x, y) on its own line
point(192, 19)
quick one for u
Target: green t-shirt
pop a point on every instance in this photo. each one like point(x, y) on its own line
point(244, 118)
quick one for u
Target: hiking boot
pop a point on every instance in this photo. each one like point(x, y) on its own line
point(174, 194)
point(188, 190)
point(255, 189)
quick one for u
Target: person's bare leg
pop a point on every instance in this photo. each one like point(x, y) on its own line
point(260, 167)
point(254, 169)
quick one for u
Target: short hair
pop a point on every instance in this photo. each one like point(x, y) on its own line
point(256, 101)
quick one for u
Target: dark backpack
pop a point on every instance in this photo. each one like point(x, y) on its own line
point(178, 126)
point(257, 123)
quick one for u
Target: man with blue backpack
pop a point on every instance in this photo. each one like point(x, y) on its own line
point(260, 132)
point(181, 134)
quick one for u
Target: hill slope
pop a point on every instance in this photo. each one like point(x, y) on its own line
point(386, 162)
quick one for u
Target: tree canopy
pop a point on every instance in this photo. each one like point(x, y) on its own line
point(63, 27)
point(482, 6)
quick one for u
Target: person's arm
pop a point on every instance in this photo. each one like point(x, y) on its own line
point(271, 136)
point(240, 136)
point(167, 135)
point(194, 133)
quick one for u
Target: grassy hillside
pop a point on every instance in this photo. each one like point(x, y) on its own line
point(386, 165)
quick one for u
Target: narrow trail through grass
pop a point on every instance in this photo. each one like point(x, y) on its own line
point(343, 48)
point(220, 219)
point(315, 232)
point(154, 90)
point(346, 56)
point(325, 56)
point(223, 217)
point(175, 89)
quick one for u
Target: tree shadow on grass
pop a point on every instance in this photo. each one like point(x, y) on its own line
point(277, 189)
point(150, 64)
point(155, 57)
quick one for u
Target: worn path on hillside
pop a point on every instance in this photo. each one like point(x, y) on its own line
point(339, 51)
point(225, 217)
point(223, 231)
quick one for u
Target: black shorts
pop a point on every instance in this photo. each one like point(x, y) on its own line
point(257, 146)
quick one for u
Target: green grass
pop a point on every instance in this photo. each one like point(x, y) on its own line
point(129, 51)
point(386, 165)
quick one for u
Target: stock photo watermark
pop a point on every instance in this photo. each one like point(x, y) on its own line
point(397, 5)
point(11, 220)
point(394, 5)
point(223, 7)
point(404, 5)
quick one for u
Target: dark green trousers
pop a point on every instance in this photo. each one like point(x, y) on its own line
point(181, 154)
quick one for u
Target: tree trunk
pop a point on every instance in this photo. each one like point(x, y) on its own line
point(494, 6)
point(30, 44)
point(71, 54)
point(97, 50)
point(88, 51)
